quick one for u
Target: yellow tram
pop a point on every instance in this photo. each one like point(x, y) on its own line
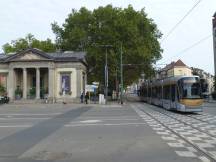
point(181, 93)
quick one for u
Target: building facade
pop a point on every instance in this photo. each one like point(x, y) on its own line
point(207, 80)
point(34, 74)
point(177, 68)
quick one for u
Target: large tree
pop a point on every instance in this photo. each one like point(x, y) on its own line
point(29, 41)
point(91, 31)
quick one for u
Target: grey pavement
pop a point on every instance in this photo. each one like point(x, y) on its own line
point(210, 107)
point(81, 133)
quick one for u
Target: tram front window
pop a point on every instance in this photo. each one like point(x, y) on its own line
point(190, 88)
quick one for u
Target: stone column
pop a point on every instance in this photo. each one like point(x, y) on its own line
point(37, 83)
point(51, 84)
point(11, 84)
point(24, 83)
point(79, 82)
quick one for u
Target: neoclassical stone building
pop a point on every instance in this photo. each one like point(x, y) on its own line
point(33, 74)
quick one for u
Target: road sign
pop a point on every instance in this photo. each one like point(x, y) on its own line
point(91, 88)
point(95, 83)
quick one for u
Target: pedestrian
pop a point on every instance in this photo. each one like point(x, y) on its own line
point(81, 98)
point(86, 98)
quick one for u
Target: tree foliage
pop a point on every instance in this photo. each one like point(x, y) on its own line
point(29, 41)
point(92, 30)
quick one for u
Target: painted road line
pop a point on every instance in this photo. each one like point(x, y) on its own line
point(90, 121)
point(23, 118)
point(121, 119)
point(15, 126)
point(76, 125)
point(204, 159)
point(185, 153)
point(108, 117)
point(30, 114)
point(100, 124)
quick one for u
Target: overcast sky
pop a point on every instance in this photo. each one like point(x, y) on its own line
point(19, 17)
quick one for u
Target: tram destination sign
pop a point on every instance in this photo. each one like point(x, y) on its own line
point(189, 81)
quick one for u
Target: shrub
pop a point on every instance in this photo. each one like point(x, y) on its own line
point(18, 93)
point(32, 92)
point(2, 90)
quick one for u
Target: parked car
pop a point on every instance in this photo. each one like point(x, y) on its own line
point(4, 99)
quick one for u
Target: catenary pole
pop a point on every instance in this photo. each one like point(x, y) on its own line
point(106, 78)
point(121, 71)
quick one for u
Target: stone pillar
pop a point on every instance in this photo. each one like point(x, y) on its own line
point(79, 82)
point(24, 83)
point(37, 83)
point(51, 84)
point(11, 83)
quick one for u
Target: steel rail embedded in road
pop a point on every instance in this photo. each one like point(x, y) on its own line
point(210, 134)
point(185, 123)
point(201, 119)
point(202, 151)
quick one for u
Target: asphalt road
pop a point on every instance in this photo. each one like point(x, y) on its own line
point(210, 107)
point(134, 132)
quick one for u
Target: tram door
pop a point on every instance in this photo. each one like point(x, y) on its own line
point(173, 96)
point(167, 97)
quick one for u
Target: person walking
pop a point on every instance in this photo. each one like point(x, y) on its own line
point(81, 98)
point(86, 98)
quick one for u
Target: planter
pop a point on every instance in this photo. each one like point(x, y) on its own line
point(18, 97)
point(32, 93)
point(18, 93)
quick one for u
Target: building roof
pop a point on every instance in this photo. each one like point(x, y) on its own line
point(2, 55)
point(67, 56)
point(179, 63)
point(173, 64)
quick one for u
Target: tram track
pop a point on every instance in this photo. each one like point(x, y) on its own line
point(191, 125)
point(206, 121)
point(201, 150)
point(189, 118)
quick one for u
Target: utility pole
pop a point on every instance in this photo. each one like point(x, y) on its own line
point(106, 77)
point(121, 71)
point(214, 39)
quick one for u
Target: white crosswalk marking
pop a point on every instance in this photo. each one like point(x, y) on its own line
point(175, 144)
point(204, 159)
point(185, 153)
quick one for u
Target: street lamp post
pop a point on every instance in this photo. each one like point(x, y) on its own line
point(106, 77)
point(106, 72)
point(214, 39)
point(121, 71)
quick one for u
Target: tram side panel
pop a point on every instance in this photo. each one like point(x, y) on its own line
point(149, 98)
point(166, 97)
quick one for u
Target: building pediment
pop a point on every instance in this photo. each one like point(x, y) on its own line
point(29, 55)
point(32, 54)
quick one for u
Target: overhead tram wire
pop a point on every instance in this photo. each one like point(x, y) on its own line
point(180, 21)
point(188, 48)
